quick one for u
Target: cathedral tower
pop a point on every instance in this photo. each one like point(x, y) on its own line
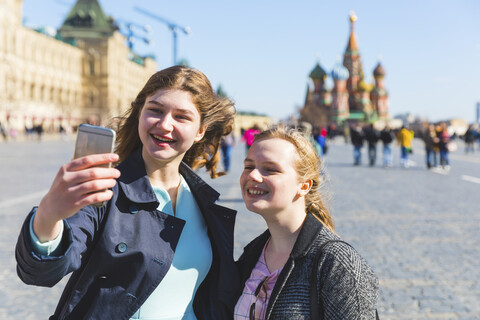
point(352, 61)
point(379, 94)
point(339, 108)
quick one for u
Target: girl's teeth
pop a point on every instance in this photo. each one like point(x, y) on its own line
point(256, 192)
point(162, 139)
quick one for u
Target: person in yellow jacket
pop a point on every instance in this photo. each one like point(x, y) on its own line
point(404, 138)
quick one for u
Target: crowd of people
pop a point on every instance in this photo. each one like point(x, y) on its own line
point(437, 140)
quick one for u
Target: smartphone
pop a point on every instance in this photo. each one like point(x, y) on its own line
point(94, 140)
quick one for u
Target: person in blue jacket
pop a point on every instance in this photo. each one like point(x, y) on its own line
point(160, 248)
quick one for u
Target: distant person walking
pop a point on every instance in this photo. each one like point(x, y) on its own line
point(226, 146)
point(405, 138)
point(444, 138)
point(372, 136)
point(386, 136)
point(320, 136)
point(249, 136)
point(470, 137)
point(3, 132)
point(431, 143)
point(356, 135)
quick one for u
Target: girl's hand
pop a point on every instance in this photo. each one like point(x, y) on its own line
point(79, 183)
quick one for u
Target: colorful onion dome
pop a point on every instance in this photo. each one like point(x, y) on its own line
point(318, 73)
point(364, 87)
point(339, 72)
point(379, 71)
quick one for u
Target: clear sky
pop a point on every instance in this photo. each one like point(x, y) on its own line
point(261, 52)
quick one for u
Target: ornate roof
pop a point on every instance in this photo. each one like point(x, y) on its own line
point(87, 20)
point(379, 71)
point(339, 72)
point(364, 87)
point(352, 41)
point(318, 73)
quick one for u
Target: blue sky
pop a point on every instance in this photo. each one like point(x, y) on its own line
point(261, 52)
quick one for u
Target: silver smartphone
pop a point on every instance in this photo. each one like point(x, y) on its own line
point(94, 140)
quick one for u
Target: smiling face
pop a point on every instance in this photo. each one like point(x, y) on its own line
point(269, 181)
point(169, 124)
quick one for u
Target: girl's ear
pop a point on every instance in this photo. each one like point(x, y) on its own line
point(305, 187)
point(200, 133)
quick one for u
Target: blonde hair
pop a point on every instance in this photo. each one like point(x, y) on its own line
point(308, 167)
point(217, 114)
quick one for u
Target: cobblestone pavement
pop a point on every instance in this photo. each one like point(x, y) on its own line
point(418, 229)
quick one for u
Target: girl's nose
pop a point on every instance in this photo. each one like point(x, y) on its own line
point(165, 122)
point(255, 175)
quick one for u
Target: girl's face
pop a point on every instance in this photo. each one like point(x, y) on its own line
point(269, 180)
point(169, 124)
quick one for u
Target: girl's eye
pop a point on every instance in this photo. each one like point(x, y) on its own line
point(182, 117)
point(155, 110)
point(248, 168)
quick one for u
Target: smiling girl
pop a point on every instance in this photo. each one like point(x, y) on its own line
point(160, 248)
point(297, 269)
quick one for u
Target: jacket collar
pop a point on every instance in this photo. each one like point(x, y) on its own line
point(137, 188)
point(197, 185)
point(310, 229)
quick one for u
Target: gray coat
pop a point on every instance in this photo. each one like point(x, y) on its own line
point(346, 284)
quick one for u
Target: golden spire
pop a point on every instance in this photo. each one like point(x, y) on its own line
point(352, 42)
point(353, 17)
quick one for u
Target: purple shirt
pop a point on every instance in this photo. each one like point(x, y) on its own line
point(248, 295)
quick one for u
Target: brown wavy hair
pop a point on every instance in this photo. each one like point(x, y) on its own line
point(308, 167)
point(217, 113)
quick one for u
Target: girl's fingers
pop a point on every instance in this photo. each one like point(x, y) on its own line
point(93, 160)
point(92, 198)
point(91, 174)
point(92, 186)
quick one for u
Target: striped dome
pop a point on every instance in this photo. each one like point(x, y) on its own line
point(339, 72)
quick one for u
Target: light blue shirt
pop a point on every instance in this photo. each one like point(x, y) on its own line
point(173, 298)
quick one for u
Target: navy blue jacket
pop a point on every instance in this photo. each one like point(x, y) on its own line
point(120, 253)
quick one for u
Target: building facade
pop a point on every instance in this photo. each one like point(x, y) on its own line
point(83, 70)
point(351, 98)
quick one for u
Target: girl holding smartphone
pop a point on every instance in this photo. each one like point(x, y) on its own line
point(160, 248)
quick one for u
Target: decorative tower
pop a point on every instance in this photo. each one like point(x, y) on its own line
point(339, 108)
point(364, 102)
point(90, 29)
point(87, 20)
point(352, 61)
point(317, 102)
point(379, 95)
point(318, 76)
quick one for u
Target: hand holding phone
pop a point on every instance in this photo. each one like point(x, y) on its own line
point(85, 180)
point(94, 140)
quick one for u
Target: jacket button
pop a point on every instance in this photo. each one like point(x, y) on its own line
point(133, 209)
point(121, 247)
